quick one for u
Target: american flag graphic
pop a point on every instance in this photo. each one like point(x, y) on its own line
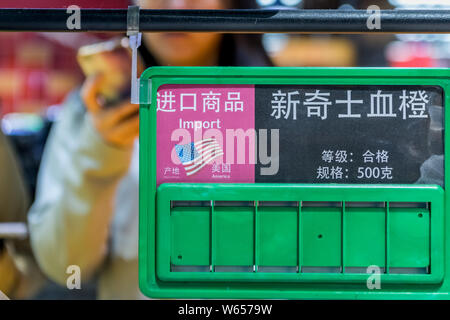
point(195, 155)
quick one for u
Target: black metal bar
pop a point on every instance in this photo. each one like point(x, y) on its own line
point(230, 21)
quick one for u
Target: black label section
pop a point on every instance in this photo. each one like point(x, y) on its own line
point(351, 134)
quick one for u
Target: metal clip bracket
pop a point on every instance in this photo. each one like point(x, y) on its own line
point(135, 37)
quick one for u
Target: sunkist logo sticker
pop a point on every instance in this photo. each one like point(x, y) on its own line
point(195, 156)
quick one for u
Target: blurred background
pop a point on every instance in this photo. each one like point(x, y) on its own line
point(37, 70)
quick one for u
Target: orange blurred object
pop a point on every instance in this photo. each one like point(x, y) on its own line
point(316, 52)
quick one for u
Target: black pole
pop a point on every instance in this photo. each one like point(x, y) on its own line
point(230, 21)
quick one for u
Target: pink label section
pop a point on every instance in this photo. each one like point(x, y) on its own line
point(205, 133)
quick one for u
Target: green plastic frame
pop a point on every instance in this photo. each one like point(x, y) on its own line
point(293, 192)
point(154, 239)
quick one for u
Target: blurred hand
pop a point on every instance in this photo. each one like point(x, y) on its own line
point(118, 125)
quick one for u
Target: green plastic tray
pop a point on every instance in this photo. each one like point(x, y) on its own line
point(288, 241)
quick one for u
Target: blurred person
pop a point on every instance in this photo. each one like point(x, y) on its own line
point(19, 275)
point(86, 208)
